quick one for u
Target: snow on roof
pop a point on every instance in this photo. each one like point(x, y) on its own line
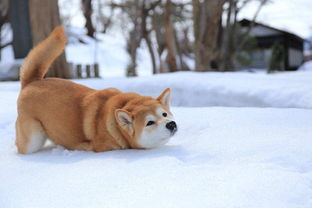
point(246, 22)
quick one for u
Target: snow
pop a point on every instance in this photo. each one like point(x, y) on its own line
point(10, 70)
point(255, 156)
point(239, 89)
point(306, 66)
point(221, 157)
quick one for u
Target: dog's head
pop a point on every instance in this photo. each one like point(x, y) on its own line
point(147, 122)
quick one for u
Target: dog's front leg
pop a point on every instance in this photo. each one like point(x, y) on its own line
point(85, 146)
point(103, 146)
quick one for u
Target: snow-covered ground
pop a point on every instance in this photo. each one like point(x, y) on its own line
point(222, 89)
point(221, 156)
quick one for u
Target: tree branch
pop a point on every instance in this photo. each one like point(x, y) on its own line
point(251, 26)
point(5, 45)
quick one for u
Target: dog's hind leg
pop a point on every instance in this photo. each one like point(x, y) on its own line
point(30, 135)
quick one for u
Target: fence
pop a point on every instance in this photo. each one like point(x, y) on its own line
point(80, 71)
point(77, 71)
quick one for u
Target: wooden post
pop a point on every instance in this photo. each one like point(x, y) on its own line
point(88, 71)
point(71, 68)
point(79, 71)
point(96, 70)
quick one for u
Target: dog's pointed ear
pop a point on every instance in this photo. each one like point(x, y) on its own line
point(164, 98)
point(124, 120)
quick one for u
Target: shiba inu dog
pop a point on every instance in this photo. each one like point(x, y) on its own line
point(81, 118)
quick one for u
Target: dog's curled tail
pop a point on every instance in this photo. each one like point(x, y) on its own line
point(42, 56)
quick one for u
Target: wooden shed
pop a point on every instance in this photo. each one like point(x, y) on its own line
point(266, 36)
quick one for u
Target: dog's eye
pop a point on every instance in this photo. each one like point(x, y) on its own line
point(150, 123)
point(164, 114)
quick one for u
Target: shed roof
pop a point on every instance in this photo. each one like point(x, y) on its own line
point(246, 22)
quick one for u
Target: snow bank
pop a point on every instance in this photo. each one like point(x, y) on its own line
point(306, 66)
point(10, 70)
point(240, 89)
point(220, 157)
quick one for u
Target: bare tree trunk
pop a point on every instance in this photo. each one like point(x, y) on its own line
point(161, 43)
point(44, 17)
point(145, 34)
point(227, 50)
point(134, 41)
point(196, 28)
point(131, 68)
point(230, 66)
point(181, 65)
point(151, 51)
point(170, 38)
point(206, 17)
point(87, 12)
point(133, 44)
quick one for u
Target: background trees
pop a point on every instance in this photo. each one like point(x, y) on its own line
point(234, 40)
point(31, 22)
point(205, 31)
point(199, 35)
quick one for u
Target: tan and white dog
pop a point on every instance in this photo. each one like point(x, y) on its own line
point(81, 118)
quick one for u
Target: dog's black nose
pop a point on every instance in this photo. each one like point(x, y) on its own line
point(171, 126)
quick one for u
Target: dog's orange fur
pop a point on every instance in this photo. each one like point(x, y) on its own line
point(72, 115)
